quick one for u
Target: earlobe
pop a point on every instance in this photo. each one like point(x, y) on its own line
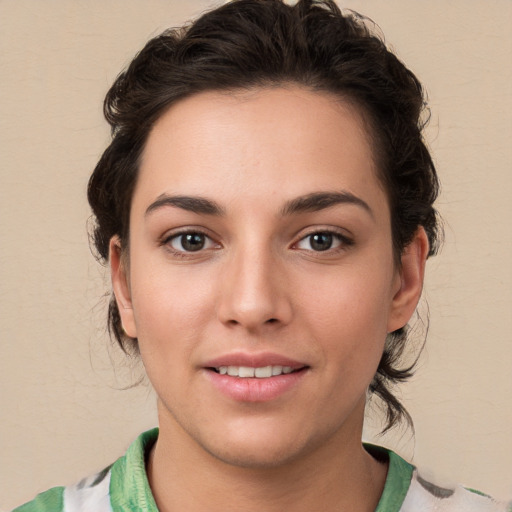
point(121, 287)
point(411, 276)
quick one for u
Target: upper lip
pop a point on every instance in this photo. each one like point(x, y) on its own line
point(253, 360)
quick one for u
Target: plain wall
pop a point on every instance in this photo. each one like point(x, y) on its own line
point(63, 411)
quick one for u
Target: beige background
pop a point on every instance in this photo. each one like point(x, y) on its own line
point(63, 412)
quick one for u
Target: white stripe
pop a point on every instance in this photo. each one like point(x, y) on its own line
point(418, 498)
point(84, 498)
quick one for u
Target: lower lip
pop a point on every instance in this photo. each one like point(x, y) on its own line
point(255, 389)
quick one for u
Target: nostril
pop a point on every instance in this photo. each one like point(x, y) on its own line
point(271, 321)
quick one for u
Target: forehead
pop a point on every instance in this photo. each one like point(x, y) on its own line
point(274, 141)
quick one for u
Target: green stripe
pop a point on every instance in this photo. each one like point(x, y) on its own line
point(129, 486)
point(48, 501)
point(397, 482)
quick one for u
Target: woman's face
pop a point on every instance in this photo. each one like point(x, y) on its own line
point(261, 282)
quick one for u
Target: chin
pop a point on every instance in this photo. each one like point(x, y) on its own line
point(258, 458)
point(259, 449)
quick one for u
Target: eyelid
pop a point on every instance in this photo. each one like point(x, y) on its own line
point(341, 235)
point(169, 236)
point(345, 240)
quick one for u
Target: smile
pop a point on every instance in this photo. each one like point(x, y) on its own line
point(262, 372)
point(255, 377)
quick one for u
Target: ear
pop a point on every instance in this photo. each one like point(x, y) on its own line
point(409, 281)
point(121, 287)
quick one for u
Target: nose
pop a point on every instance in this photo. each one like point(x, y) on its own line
point(253, 292)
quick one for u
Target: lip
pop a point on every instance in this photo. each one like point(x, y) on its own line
point(253, 389)
point(253, 360)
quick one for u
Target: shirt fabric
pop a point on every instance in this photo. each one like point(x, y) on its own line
point(124, 486)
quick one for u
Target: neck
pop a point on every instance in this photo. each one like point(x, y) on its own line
point(339, 475)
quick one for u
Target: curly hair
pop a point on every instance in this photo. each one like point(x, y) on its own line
point(247, 44)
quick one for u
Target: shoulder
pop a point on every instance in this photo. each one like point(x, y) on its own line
point(92, 493)
point(51, 501)
point(424, 495)
point(407, 490)
point(121, 486)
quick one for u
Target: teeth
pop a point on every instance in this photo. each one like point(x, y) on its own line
point(277, 370)
point(248, 372)
point(245, 371)
point(265, 371)
point(233, 371)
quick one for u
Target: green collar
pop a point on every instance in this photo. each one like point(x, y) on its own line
point(129, 486)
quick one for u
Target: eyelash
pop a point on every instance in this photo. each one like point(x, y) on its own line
point(343, 242)
point(167, 242)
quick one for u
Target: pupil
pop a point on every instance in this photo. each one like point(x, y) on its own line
point(321, 241)
point(192, 241)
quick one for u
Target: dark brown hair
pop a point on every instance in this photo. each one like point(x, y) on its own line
point(247, 44)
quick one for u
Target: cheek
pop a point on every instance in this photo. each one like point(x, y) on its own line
point(171, 305)
point(348, 314)
point(356, 298)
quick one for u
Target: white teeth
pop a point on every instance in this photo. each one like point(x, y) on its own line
point(277, 370)
point(265, 371)
point(261, 372)
point(245, 371)
point(233, 371)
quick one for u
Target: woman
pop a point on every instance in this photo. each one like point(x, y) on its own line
point(266, 208)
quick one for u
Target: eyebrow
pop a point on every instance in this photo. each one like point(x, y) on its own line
point(317, 201)
point(313, 202)
point(199, 205)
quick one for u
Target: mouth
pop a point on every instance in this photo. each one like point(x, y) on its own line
point(260, 372)
point(255, 377)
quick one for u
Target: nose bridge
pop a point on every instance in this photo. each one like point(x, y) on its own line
point(252, 288)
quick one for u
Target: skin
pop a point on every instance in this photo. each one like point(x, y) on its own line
point(259, 285)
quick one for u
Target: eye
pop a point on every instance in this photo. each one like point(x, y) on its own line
point(322, 241)
point(191, 241)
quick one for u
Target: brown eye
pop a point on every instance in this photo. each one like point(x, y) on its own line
point(190, 242)
point(321, 241)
